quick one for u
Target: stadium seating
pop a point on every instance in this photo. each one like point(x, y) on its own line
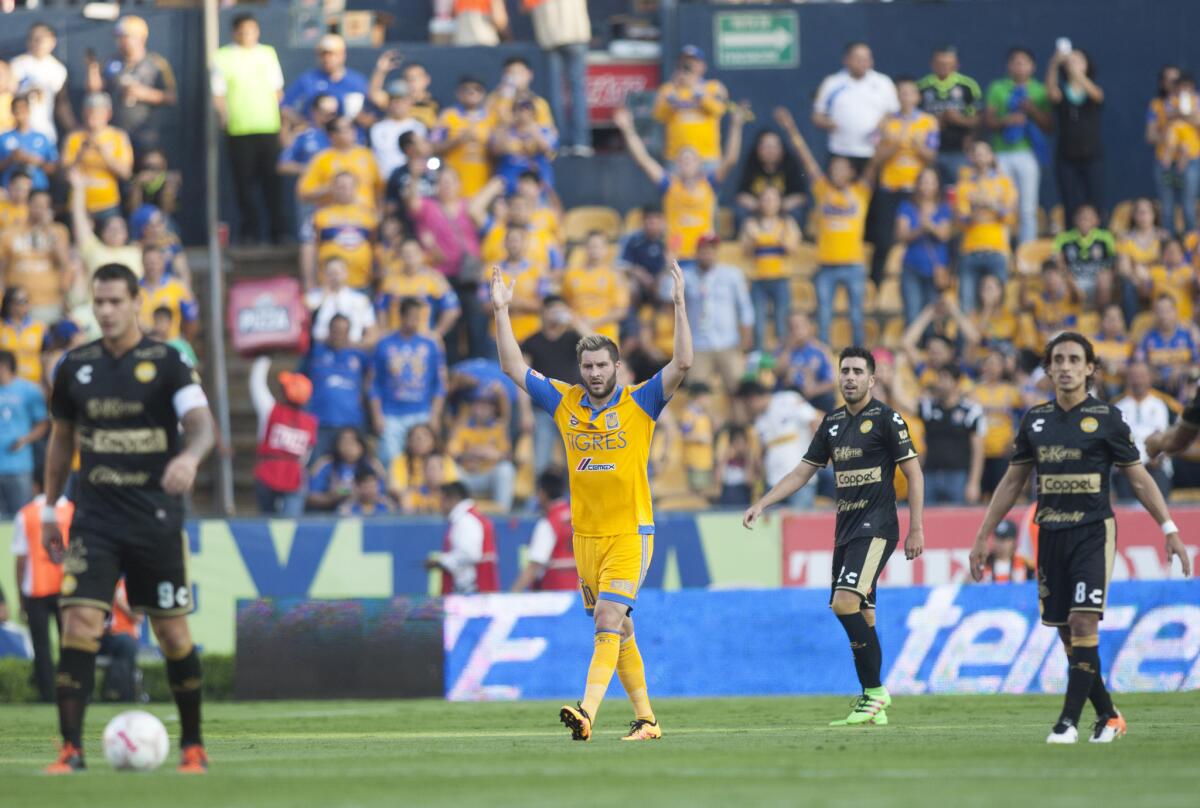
point(580, 221)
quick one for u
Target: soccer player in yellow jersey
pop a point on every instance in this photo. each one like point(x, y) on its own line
point(606, 431)
point(596, 292)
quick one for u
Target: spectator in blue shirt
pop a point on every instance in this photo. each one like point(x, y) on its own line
point(1170, 347)
point(331, 480)
point(475, 377)
point(23, 422)
point(25, 149)
point(312, 138)
point(924, 223)
point(803, 364)
point(408, 381)
point(330, 77)
point(524, 146)
point(338, 373)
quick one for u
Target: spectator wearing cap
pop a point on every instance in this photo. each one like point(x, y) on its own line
point(523, 145)
point(563, 30)
point(338, 372)
point(385, 133)
point(479, 23)
point(286, 437)
point(1019, 112)
point(247, 86)
point(142, 82)
point(851, 103)
point(955, 100)
point(26, 149)
point(330, 77)
point(23, 424)
point(36, 256)
point(408, 369)
point(462, 134)
point(954, 438)
point(1004, 564)
point(516, 83)
point(344, 155)
point(785, 424)
point(104, 155)
point(42, 78)
point(689, 192)
point(691, 108)
point(723, 316)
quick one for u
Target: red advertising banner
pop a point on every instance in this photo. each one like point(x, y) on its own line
point(609, 82)
point(808, 547)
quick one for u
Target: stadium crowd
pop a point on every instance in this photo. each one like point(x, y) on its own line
point(922, 235)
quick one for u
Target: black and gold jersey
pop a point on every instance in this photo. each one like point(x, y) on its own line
point(1191, 413)
point(1074, 451)
point(126, 412)
point(865, 449)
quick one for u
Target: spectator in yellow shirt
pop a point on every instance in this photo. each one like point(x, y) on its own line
point(1173, 276)
point(841, 201)
point(1002, 406)
point(424, 106)
point(518, 211)
point(22, 335)
point(697, 430)
point(344, 229)
point(530, 282)
point(344, 156)
point(162, 290)
point(461, 136)
point(691, 109)
point(1053, 308)
point(481, 447)
point(417, 474)
point(14, 210)
point(1114, 349)
point(986, 203)
point(689, 193)
point(414, 278)
point(597, 292)
point(37, 256)
point(515, 82)
point(103, 153)
point(769, 238)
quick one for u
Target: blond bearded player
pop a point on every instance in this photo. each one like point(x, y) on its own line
point(606, 429)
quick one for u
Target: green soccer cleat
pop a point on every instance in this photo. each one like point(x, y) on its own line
point(869, 708)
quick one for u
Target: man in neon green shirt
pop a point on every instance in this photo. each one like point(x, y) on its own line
point(247, 86)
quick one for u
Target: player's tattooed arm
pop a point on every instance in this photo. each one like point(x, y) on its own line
point(914, 544)
point(1010, 487)
point(199, 437)
point(59, 452)
point(1147, 493)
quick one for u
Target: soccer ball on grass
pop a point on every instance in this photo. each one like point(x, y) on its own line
point(136, 741)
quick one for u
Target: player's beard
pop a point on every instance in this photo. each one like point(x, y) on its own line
point(857, 396)
point(606, 390)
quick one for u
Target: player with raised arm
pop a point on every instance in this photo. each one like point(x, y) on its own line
point(1180, 435)
point(866, 440)
point(606, 430)
point(124, 398)
point(1073, 442)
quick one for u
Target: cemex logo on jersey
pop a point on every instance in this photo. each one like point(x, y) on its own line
point(586, 464)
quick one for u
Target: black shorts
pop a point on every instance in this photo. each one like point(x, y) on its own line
point(1074, 567)
point(153, 563)
point(856, 566)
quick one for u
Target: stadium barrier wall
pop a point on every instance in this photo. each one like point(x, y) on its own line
point(946, 639)
point(351, 558)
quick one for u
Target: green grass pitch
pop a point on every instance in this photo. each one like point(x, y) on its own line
point(938, 751)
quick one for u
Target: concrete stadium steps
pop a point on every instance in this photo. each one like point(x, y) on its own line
point(239, 263)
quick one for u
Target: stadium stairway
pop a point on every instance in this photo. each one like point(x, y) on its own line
point(240, 263)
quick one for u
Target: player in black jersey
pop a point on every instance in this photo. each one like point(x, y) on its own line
point(866, 440)
point(123, 398)
point(1073, 442)
point(1179, 435)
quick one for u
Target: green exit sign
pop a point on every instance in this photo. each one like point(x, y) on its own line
point(760, 40)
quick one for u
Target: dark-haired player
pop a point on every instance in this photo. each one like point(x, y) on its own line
point(866, 440)
point(1074, 441)
point(124, 398)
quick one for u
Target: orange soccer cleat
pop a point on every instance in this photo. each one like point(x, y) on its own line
point(193, 760)
point(70, 760)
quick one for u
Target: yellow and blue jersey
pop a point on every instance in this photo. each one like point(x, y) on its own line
point(427, 285)
point(900, 172)
point(357, 161)
point(470, 160)
point(346, 232)
point(842, 221)
point(770, 251)
point(690, 212)
point(172, 294)
point(1165, 352)
point(607, 450)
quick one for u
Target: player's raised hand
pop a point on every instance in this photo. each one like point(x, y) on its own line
point(752, 513)
point(979, 558)
point(1175, 548)
point(52, 540)
point(502, 293)
point(914, 545)
point(677, 284)
point(180, 473)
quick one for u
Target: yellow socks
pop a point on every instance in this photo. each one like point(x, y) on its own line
point(604, 662)
point(632, 673)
